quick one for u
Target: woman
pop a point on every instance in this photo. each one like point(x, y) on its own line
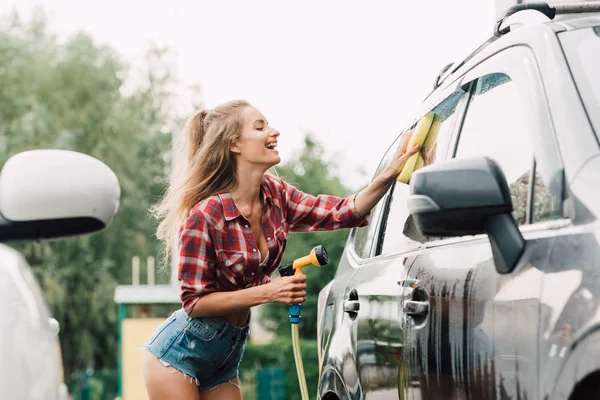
point(232, 220)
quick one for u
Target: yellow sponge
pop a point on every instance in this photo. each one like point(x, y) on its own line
point(429, 140)
point(434, 130)
point(418, 137)
point(420, 162)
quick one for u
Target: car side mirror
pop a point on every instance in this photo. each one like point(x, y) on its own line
point(467, 197)
point(48, 194)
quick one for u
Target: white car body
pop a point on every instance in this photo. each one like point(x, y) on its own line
point(44, 194)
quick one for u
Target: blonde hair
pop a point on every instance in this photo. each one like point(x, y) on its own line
point(204, 167)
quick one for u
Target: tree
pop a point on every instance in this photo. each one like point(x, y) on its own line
point(80, 96)
point(311, 173)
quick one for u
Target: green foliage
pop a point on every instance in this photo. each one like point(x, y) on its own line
point(280, 353)
point(76, 95)
point(99, 385)
point(313, 174)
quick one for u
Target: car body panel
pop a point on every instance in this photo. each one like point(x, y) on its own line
point(574, 274)
point(334, 333)
point(28, 343)
point(377, 332)
point(480, 336)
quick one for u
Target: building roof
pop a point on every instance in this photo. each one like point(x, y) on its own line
point(147, 294)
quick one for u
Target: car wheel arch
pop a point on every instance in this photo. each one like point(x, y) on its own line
point(331, 385)
point(580, 372)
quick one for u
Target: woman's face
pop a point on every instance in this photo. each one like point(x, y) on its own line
point(258, 141)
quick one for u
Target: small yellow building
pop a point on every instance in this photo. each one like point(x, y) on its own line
point(142, 308)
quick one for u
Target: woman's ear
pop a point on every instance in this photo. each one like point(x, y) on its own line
point(234, 148)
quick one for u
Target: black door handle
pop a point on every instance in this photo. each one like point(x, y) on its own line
point(414, 307)
point(351, 306)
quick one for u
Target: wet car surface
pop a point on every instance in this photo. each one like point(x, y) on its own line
point(482, 314)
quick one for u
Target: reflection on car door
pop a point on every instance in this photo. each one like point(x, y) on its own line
point(372, 305)
point(438, 365)
point(377, 330)
point(478, 337)
point(376, 291)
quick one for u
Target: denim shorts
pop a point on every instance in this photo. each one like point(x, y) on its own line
point(208, 349)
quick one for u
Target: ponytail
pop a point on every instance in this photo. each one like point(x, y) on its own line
point(190, 140)
point(202, 166)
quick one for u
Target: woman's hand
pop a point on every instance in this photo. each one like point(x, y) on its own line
point(287, 289)
point(399, 159)
point(366, 199)
point(429, 154)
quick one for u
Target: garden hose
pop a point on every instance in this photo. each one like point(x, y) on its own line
point(318, 256)
point(299, 365)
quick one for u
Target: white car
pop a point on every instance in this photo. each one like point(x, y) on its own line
point(44, 194)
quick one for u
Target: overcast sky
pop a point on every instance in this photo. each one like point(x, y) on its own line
point(351, 72)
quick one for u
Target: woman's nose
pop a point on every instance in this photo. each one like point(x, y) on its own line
point(275, 132)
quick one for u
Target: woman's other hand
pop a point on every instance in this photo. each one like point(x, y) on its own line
point(287, 289)
point(400, 157)
point(366, 199)
point(429, 154)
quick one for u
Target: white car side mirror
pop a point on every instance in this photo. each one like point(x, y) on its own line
point(55, 193)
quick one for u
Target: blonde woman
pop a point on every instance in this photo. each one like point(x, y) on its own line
point(232, 219)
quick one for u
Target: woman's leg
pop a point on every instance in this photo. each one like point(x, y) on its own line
point(165, 383)
point(229, 390)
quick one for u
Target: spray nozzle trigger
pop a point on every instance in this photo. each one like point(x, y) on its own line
point(318, 256)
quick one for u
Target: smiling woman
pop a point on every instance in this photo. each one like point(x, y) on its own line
point(260, 137)
point(231, 220)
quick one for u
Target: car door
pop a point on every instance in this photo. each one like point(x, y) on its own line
point(571, 292)
point(371, 306)
point(341, 306)
point(381, 256)
point(477, 337)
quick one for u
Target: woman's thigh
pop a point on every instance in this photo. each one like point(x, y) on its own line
point(163, 383)
point(230, 390)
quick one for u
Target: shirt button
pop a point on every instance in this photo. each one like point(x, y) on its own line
point(252, 274)
point(254, 250)
point(246, 226)
point(268, 238)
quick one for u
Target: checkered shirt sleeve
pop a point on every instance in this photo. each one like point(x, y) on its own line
point(307, 213)
point(197, 263)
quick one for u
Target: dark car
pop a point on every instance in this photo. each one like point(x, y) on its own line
point(480, 279)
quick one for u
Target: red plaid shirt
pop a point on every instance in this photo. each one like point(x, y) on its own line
point(217, 251)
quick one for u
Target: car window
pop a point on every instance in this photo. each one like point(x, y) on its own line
point(582, 50)
point(497, 125)
point(547, 203)
point(398, 230)
point(363, 236)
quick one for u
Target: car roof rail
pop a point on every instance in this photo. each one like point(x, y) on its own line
point(452, 67)
point(521, 14)
point(442, 75)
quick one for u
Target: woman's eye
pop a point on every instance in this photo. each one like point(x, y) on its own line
point(260, 128)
